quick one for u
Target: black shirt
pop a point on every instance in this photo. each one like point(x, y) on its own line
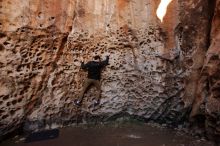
point(94, 68)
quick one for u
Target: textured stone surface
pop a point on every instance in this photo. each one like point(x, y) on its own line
point(207, 103)
point(154, 67)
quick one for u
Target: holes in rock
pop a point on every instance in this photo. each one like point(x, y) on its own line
point(52, 18)
point(4, 117)
point(1, 111)
point(189, 62)
point(20, 99)
point(26, 60)
point(21, 92)
point(19, 68)
point(38, 54)
point(148, 41)
point(24, 55)
point(14, 102)
point(69, 28)
point(141, 43)
point(39, 14)
point(8, 103)
point(2, 48)
point(40, 67)
point(6, 97)
point(28, 66)
point(6, 43)
point(2, 35)
point(214, 57)
point(9, 71)
point(54, 48)
point(176, 84)
point(182, 104)
point(44, 46)
point(12, 112)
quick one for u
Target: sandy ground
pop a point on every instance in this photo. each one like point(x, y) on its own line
point(126, 135)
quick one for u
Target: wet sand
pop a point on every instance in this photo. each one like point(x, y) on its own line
point(113, 135)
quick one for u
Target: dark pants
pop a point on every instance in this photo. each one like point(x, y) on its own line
point(87, 83)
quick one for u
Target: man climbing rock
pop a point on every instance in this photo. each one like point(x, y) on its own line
point(94, 69)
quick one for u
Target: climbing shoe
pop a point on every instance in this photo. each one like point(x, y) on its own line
point(96, 102)
point(77, 102)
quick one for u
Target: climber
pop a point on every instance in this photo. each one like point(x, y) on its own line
point(94, 75)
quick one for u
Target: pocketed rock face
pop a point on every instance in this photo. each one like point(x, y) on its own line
point(151, 63)
point(28, 57)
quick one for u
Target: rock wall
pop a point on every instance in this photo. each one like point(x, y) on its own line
point(206, 103)
point(212, 69)
point(154, 67)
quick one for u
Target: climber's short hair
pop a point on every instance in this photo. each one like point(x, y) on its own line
point(97, 57)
